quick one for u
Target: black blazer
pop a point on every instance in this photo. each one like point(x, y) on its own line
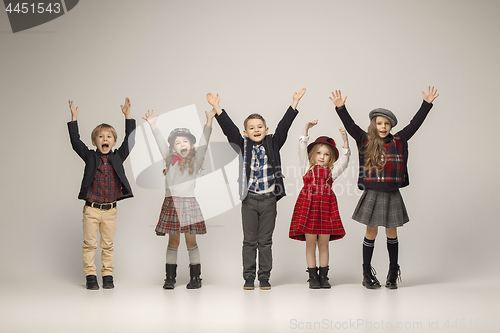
point(272, 145)
point(116, 158)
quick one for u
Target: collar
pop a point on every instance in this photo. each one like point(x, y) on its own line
point(101, 154)
point(388, 138)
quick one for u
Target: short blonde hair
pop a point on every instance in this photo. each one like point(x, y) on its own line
point(100, 128)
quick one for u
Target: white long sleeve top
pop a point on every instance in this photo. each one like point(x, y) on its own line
point(177, 183)
point(338, 167)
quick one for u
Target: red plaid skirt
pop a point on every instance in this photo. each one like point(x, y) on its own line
point(180, 215)
point(316, 211)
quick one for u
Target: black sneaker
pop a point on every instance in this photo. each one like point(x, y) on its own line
point(264, 284)
point(249, 283)
point(92, 282)
point(107, 282)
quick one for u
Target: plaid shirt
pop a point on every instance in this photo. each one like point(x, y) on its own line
point(261, 172)
point(393, 170)
point(106, 185)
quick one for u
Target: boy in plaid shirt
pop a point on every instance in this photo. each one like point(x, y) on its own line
point(261, 184)
point(104, 182)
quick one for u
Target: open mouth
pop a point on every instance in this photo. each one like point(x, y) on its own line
point(105, 146)
point(184, 151)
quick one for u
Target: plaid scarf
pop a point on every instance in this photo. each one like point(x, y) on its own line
point(393, 170)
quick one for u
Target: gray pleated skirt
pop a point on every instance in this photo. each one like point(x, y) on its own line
point(381, 209)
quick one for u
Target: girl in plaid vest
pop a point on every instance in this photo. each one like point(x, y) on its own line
point(383, 171)
point(180, 212)
point(316, 218)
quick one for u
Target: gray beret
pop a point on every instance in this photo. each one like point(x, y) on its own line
point(180, 132)
point(384, 113)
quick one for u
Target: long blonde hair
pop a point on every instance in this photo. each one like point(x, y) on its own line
point(374, 151)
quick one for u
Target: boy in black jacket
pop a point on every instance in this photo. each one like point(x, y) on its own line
point(104, 183)
point(261, 183)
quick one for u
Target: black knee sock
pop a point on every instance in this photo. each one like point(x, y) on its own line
point(392, 247)
point(368, 245)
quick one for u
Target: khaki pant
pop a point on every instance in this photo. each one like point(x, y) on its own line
point(95, 219)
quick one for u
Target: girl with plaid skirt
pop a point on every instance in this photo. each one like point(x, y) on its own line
point(316, 218)
point(383, 171)
point(180, 212)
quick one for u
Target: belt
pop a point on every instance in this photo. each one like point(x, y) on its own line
point(107, 206)
point(258, 196)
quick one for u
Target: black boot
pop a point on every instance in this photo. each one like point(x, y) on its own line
point(369, 279)
point(107, 282)
point(171, 270)
point(92, 282)
point(393, 276)
point(323, 277)
point(194, 272)
point(313, 278)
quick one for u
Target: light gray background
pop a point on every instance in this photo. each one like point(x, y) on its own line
point(165, 55)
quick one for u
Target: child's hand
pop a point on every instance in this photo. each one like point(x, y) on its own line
point(431, 95)
point(309, 124)
point(151, 119)
point(126, 108)
point(337, 99)
point(74, 111)
point(210, 116)
point(344, 137)
point(296, 97)
point(212, 100)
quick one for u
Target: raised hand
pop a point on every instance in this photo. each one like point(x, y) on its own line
point(151, 118)
point(431, 95)
point(337, 99)
point(74, 111)
point(210, 116)
point(212, 100)
point(296, 97)
point(344, 137)
point(126, 108)
point(309, 124)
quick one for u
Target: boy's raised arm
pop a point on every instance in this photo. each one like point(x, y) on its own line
point(74, 136)
point(214, 101)
point(74, 111)
point(297, 96)
point(126, 108)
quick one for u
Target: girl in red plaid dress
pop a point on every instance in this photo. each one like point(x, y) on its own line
point(316, 218)
point(180, 212)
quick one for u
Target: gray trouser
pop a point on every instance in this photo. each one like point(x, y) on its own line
point(259, 218)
